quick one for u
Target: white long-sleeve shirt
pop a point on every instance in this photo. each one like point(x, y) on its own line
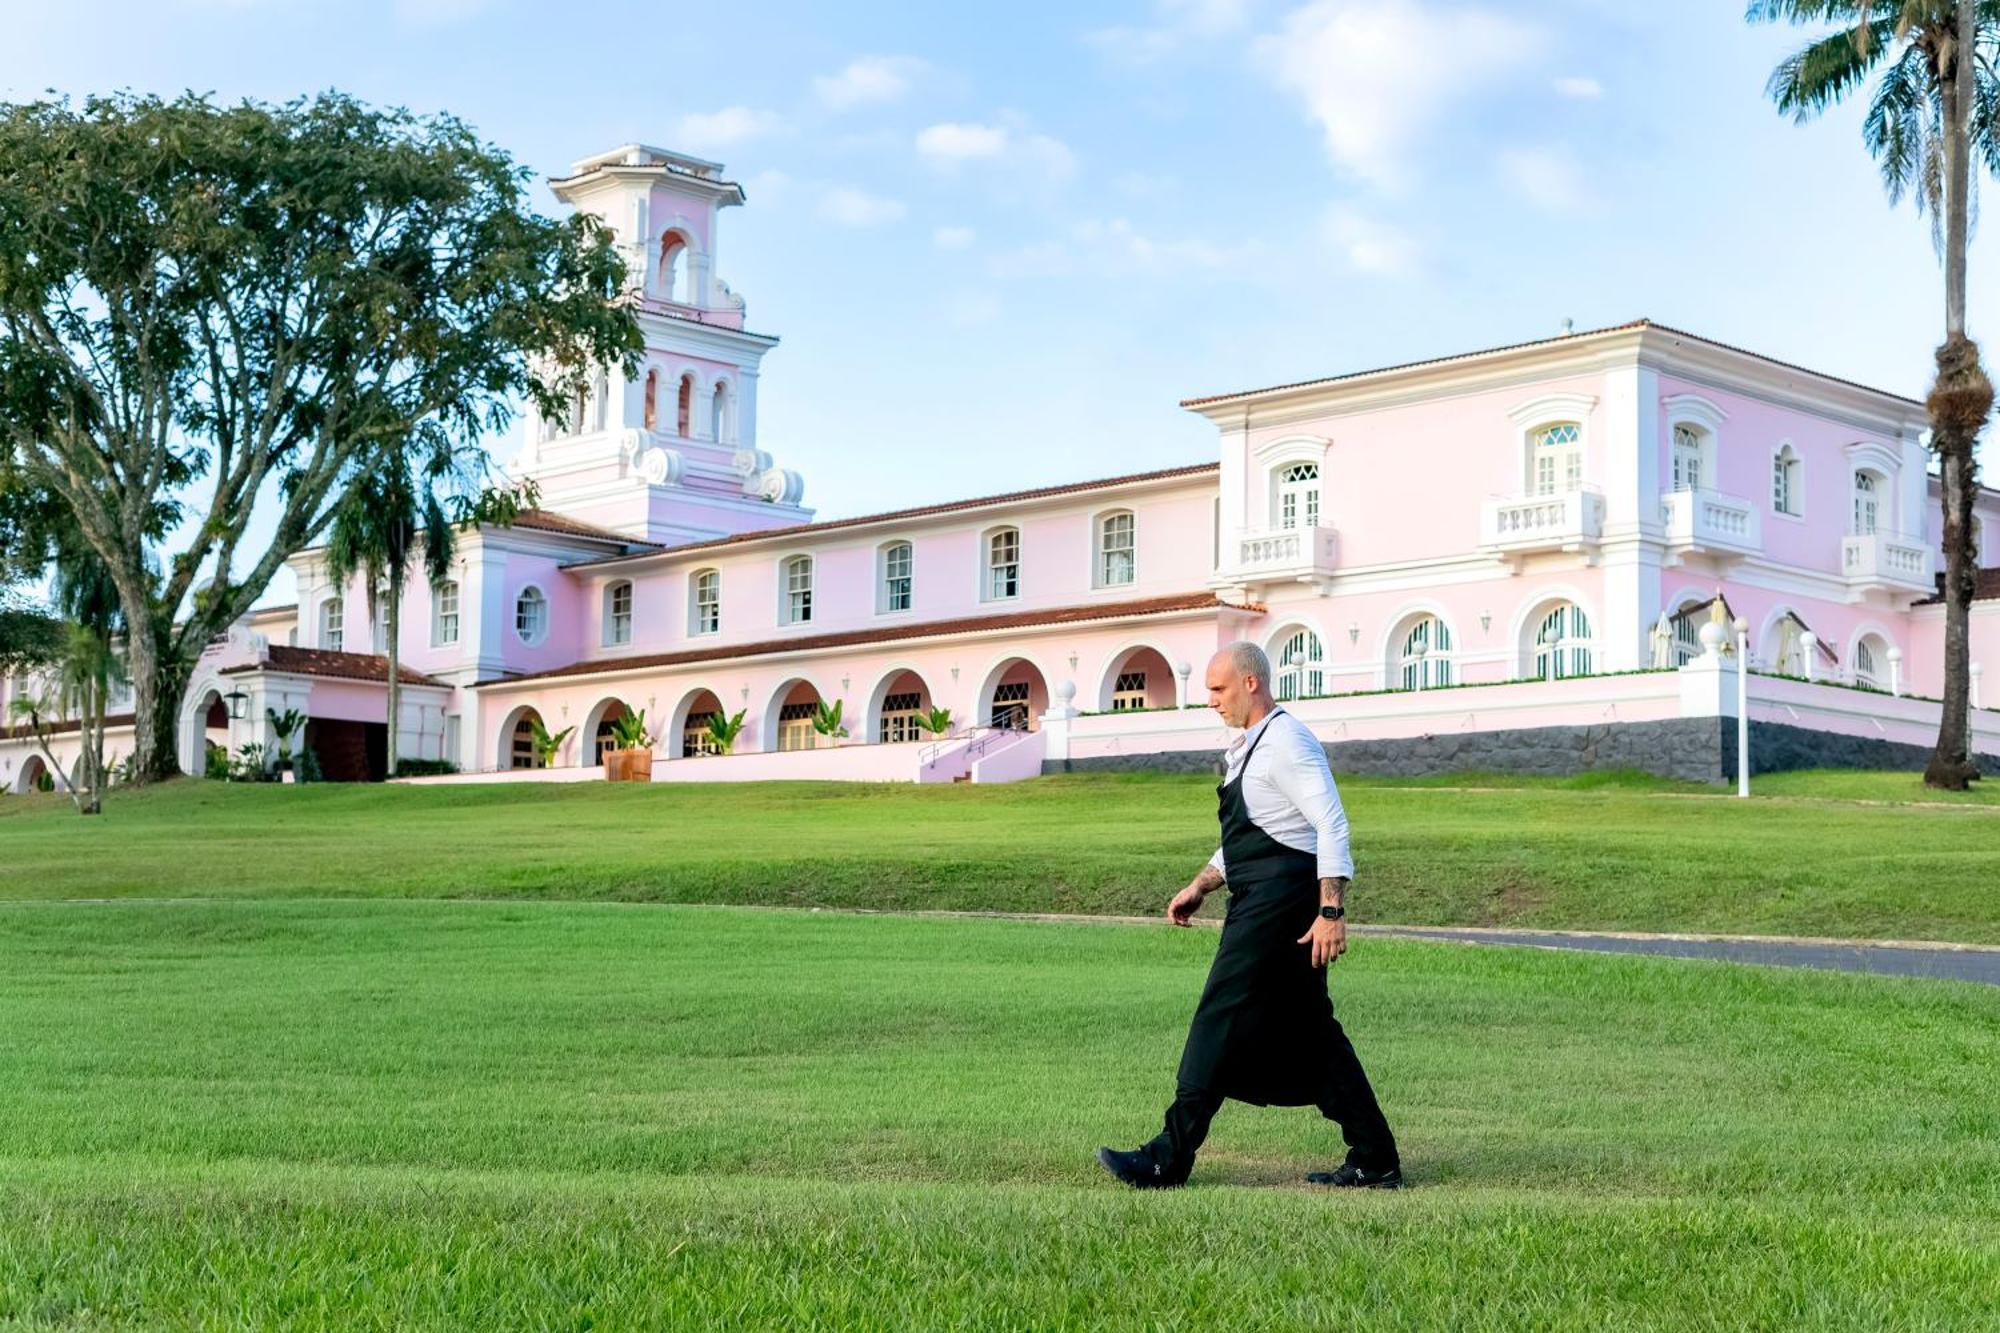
point(1288, 791)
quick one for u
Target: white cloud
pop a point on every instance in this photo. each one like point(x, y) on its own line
point(767, 187)
point(435, 13)
point(1099, 247)
point(1178, 24)
point(869, 79)
point(1549, 179)
point(700, 131)
point(857, 208)
point(969, 309)
point(1580, 86)
point(954, 141)
point(1377, 74)
point(953, 238)
point(1008, 148)
point(1369, 246)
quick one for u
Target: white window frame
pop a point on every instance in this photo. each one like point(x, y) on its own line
point(530, 595)
point(1295, 496)
point(617, 623)
point(1787, 482)
point(1000, 580)
point(444, 614)
point(891, 584)
point(1869, 670)
point(795, 590)
point(1555, 468)
point(333, 624)
point(1865, 518)
point(1299, 665)
point(1569, 653)
point(1687, 457)
point(1124, 524)
point(705, 602)
point(1432, 669)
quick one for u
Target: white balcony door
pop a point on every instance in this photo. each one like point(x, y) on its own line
point(1298, 496)
point(1558, 459)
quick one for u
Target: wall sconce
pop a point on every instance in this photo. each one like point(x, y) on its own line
point(843, 684)
point(1072, 661)
point(1485, 621)
point(1354, 631)
point(237, 701)
point(954, 674)
point(745, 692)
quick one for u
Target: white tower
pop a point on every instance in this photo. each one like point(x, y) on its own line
point(670, 455)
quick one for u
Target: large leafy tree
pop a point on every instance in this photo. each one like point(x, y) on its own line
point(210, 310)
point(1936, 104)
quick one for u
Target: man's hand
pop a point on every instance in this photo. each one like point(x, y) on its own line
point(1329, 940)
point(1188, 901)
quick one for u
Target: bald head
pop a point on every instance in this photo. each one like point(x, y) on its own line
point(1239, 683)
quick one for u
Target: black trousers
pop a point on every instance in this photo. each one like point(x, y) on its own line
point(1344, 1097)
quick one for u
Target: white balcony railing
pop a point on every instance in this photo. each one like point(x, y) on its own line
point(1877, 560)
point(1282, 555)
point(1711, 521)
point(1518, 523)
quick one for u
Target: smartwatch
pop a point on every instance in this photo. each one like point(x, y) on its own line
point(1331, 913)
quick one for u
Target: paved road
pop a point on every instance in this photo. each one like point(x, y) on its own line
point(1894, 960)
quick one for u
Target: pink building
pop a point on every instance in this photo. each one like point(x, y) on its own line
point(1496, 559)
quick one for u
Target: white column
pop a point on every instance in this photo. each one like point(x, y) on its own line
point(1628, 456)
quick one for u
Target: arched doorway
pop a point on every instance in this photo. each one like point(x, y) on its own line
point(517, 739)
point(896, 703)
point(1138, 677)
point(1298, 663)
point(1014, 696)
point(687, 734)
point(34, 773)
point(787, 720)
point(598, 727)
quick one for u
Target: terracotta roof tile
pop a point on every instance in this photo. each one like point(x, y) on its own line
point(547, 520)
point(20, 728)
point(1065, 615)
point(334, 666)
point(1985, 588)
point(1537, 342)
point(922, 511)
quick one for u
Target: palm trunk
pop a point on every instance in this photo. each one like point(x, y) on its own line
point(1960, 400)
point(392, 623)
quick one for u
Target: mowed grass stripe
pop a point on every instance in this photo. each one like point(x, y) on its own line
point(1607, 852)
point(398, 1114)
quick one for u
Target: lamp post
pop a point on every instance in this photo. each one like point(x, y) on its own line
point(1742, 706)
point(1809, 645)
point(1896, 671)
point(1975, 671)
point(1184, 669)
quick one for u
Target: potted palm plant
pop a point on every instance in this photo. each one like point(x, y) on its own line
point(937, 721)
point(631, 757)
point(284, 726)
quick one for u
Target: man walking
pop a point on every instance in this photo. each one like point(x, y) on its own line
point(1264, 1031)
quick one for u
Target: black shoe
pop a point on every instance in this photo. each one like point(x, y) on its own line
point(1134, 1168)
point(1349, 1176)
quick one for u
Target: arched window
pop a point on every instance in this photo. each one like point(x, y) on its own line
point(1298, 495)
point(1785, 646)
point(719, 428)
point(1785, 495)
point(444, 613)
point(332, 623)
point(1687, 457)
point(704, 601)
point(1425, 655)
point(1871, 662)
point(673, 267)
point(797, 585)
point(898, 577)
point(1556, 461)
point(1867, 503)
point(1117, 549)
point(1687, 623)
point(684, 409)
point(521, 742)
point(1003, 564)
point(531, 615)
point(1300, 673)
point(1562, 643)
point(618, 613)
point(652, 399)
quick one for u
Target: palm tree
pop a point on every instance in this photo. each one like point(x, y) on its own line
point(401, 501)
point(1932, 109)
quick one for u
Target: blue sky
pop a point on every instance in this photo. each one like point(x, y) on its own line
point(1001, 242)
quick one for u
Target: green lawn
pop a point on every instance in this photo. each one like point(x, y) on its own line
point(1868, 855)
point(394, 1114)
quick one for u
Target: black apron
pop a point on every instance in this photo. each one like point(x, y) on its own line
point(1264, 1024)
